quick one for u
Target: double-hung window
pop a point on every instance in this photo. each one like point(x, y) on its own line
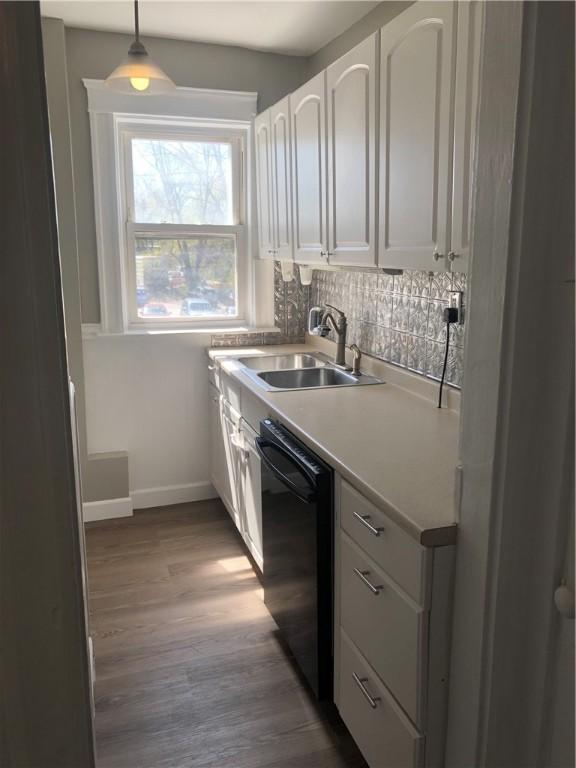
point(173, 211)
point(183, 200)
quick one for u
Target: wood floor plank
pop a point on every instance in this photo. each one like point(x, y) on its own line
point(189, 669)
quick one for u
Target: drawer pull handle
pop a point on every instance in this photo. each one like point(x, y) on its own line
point(365, 520)
point(362, 576)
point(361, 683)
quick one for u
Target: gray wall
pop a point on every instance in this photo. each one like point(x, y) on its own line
point(94, 54)
point(359, 31)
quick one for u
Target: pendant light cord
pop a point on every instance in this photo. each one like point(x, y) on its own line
point(136, 22)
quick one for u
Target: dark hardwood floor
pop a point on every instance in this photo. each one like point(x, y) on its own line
point(189, 671)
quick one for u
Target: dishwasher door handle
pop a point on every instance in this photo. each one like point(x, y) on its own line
point(261, 444)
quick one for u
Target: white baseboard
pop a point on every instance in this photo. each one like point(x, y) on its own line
point(106, 509)
point(163, 496)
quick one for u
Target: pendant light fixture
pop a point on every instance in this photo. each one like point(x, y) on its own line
point(138, 73)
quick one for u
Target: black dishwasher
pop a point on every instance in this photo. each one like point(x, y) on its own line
point(297, 533)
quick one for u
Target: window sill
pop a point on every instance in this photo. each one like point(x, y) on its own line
point(93, 330)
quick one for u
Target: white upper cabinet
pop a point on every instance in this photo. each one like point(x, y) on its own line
point(370, 163)
point(351, 84)
point(281, 179)
point(416, 99)
point(465, 109)
point(308, 138)
point(264, 185)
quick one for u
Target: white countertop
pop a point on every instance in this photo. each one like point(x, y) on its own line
point(395, 446)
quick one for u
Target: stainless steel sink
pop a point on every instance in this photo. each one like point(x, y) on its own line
point(309, 378)
point(282, 362)
point(299, 370)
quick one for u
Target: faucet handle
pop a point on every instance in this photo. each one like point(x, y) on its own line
point(356, 351)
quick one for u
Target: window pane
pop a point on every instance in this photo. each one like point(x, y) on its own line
point(182, 182)
point(186, 277)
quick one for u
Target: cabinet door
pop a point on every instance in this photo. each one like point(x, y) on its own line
point(252, 496)
point(465, 115)
point(351, 84)
point(308, 139)
point(416, 94)
point(264, 185)
point(281, 178)
point(218, 455)
point(233, 470)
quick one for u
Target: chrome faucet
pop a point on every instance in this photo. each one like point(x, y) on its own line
point(339, 326)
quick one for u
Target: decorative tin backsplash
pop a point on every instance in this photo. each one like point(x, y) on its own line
point(398, 318)
point(291, 302)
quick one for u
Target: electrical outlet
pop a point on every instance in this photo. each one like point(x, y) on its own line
point(457, 302)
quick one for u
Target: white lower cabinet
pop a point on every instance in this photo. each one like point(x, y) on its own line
point(236, 464)
point(251, 493)
point(220, 472)
point(392, 622)
point(230, 425)
point(392, 603)
point(373, 608)
point(384, 734)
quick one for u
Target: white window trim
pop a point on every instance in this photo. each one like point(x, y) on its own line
point(193, 109)
point(128, 129)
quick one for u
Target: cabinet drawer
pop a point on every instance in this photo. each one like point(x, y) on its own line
point(384, 734)
point(386, 543)
point(388, 628)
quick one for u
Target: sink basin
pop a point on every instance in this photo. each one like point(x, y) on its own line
point(313, 377)
point(281, 362)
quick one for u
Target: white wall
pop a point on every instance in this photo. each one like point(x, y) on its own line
point(148, 395)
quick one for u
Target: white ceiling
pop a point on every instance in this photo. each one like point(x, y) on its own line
point(296, 28)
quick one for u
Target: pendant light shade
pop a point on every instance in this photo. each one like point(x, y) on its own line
point(138, 73)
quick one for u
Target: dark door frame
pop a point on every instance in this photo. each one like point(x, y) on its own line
point(45, 689)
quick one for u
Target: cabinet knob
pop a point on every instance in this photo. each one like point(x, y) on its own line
point(452, 256)
point(437, 255)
